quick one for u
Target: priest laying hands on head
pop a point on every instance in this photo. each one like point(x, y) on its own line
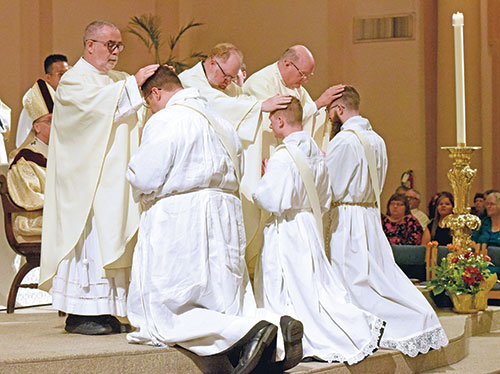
point(89, 213)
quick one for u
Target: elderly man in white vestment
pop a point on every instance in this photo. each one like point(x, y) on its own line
point(190, 286)
point(89, 213)
point(55, 66)
point(215, 79)
point(26, 175)
point(286, 77)
point(359, 251)
point(293, 275)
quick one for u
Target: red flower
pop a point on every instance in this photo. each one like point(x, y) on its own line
point(487, 258)
point(468, 280)
point(454, 260)
point(467, 254)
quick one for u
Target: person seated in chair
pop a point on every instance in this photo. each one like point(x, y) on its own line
point(26, 174)
point(399, 225)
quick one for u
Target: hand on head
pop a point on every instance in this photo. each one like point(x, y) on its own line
point(276, 102)
point(144, 73)
point(332, 93)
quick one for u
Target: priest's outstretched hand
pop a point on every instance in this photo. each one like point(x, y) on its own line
point(144, 73)
point(276, 102)
point(330, 94)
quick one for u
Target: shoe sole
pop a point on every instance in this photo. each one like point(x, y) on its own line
point(268, 338)
point(292, 331)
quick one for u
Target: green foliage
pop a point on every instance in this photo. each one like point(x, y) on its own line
point(460, 272)
point(147, 28)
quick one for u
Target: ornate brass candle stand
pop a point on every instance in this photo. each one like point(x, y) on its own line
point(461, 222)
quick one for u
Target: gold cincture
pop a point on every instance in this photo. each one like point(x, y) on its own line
point(461, 222)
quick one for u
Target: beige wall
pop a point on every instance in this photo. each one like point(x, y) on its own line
point(407, 87)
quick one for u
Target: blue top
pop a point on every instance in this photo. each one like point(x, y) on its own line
point(485, 235)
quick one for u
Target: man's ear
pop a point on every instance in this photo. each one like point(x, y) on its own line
point(281, 121)
point(36, 127)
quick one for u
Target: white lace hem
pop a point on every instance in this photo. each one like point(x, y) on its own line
point(371, 347)
point(422, 343)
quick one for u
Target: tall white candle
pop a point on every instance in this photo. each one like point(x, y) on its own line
point(458, 25)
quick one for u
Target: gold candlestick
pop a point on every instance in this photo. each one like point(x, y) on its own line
point(461, 222)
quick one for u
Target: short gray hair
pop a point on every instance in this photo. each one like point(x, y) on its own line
point(94, 27)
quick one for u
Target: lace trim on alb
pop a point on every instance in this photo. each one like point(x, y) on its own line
point(370, 348)
point(435, 339)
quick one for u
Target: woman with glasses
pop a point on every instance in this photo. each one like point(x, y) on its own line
point(435, 230)
point(400, 227)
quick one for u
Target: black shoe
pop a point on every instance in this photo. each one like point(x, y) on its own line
point(86, 325)
point(252, 352)
point(292, 331)
point(116, 325)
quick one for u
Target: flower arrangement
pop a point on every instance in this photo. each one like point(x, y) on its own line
point(461, 272)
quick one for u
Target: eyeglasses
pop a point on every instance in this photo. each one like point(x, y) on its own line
point(146, 104)
point(396, 203)
point(330, 107)
point(226, 76)
point(110, 45)
point(303, 75)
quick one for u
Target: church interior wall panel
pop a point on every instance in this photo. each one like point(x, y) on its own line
point(389, 76)
point(486, 97)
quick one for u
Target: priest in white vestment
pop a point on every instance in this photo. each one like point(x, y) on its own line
point(55, 66)
point(293, 274)
point(190, 285)
point(89, 213)
point(215, 79)
point(286, 77)
point(359, 251)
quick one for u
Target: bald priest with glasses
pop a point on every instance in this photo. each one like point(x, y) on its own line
point(90, 217)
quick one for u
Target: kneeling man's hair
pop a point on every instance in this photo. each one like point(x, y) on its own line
point(163, 78)
point(292, 113)
point(350, 98)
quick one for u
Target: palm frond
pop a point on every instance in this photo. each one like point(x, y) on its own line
point(175, 39)
point(147, 28)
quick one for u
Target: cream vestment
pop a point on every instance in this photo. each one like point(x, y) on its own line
point(89, 214)
point(26, 185)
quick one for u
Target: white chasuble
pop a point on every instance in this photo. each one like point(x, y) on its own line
point(89, 209)
point(360, 253)
point(293, 275)
point(190, 284)
point(266, 83)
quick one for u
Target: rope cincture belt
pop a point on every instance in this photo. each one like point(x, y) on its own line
point(365, 204)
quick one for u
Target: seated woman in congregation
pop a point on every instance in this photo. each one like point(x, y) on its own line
point(400, 227)
point(434, 230)
point(489, 232)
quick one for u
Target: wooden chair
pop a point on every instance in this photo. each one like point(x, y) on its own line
point(31, 251)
